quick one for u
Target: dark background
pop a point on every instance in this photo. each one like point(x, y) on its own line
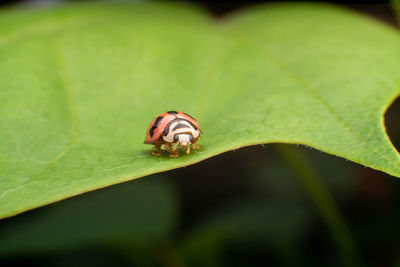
point(271, 205)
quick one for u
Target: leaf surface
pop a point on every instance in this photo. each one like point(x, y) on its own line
point(80, 83)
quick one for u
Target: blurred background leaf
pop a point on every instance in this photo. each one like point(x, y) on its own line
point(135, 218)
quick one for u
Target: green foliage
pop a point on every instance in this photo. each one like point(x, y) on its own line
point(81, 83)
point(134, 216)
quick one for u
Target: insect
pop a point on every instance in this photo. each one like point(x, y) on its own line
point(174, 130)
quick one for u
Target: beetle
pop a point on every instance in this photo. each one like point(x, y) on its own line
point(174, 130)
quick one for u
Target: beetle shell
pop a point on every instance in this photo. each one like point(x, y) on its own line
point(179, 126)
point(158, 126)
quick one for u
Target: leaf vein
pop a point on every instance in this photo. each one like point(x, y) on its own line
point(74, 113)
point(294, 76)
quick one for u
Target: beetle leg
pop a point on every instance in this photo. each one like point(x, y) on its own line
point(173, 153)
point(195, 146)
point(188, 150)
point(156, 151)
point(168, 147)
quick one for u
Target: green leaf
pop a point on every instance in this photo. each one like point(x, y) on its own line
point(137, 215)
point(79, 85)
